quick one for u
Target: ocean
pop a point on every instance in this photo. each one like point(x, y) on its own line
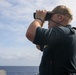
point(20, 70)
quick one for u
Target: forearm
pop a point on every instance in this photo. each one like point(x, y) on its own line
point(38, 22)
point(31, 31)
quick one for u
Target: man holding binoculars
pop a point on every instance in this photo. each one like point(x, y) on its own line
point(58, 42)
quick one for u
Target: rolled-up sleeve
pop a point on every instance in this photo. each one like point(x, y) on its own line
point(46, 36)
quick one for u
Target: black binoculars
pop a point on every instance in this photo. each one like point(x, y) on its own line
point(47, 17)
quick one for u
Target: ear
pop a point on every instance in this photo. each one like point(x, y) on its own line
point(61, 18)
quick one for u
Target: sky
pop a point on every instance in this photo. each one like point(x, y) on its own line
point(15, 17)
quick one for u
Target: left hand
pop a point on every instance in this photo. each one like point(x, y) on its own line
point(41, 14)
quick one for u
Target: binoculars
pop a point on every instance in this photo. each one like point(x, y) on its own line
point(47, 17)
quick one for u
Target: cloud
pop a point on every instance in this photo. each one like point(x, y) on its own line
point(15, 55)
point(4, 4)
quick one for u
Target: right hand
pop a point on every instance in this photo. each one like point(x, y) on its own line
point(41, 14)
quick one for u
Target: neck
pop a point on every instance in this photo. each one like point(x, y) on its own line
point(58, 24)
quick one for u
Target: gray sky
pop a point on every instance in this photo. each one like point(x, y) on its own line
point(15, 17)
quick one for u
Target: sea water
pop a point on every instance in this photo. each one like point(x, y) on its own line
point(20, 70)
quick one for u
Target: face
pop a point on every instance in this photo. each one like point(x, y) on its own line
point(51, 23)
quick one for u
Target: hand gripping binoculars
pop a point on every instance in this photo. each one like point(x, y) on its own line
point(47, 17)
